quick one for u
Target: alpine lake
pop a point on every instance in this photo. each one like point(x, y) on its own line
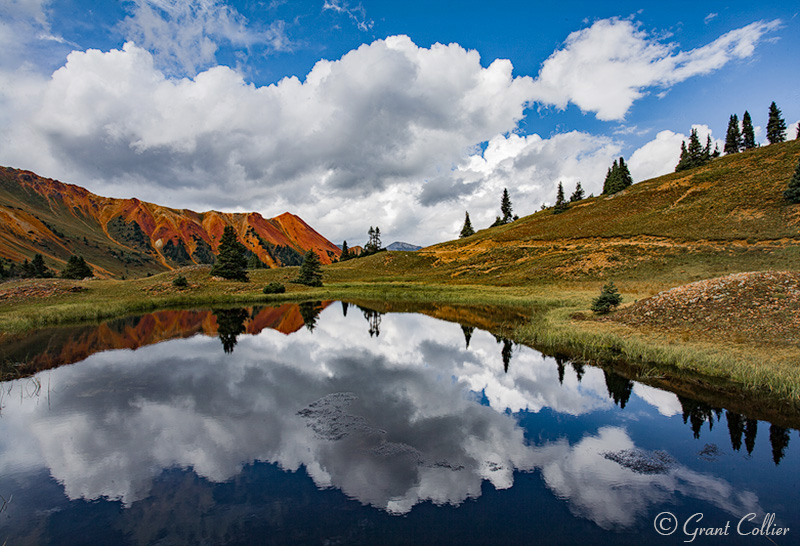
point(337, 423)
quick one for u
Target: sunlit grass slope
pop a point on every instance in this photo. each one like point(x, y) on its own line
point(728, 216)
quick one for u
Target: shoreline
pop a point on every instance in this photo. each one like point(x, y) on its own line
point(558, 322)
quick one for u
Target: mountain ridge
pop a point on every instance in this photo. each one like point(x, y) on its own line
point(57, 219)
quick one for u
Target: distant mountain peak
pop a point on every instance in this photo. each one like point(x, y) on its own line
point(405, 247)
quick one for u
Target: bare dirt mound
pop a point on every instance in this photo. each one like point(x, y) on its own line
point(758, 307)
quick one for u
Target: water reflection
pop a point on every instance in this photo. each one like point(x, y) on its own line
point(417, 417)
point(230, 323)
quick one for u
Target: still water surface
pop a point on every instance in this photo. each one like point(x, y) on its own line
point(333, 424)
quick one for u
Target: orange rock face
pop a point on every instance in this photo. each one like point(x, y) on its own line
point(169, 236)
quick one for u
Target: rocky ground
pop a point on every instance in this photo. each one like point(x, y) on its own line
point(746, 307)
point(38, 288)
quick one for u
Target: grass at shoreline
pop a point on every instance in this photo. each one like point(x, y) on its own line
point(559, 321)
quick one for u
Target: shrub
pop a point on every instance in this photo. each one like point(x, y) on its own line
point(607, 301)
point(274, 288)
point(180, 282)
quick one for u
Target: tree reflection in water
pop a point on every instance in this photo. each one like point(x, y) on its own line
point(230, 323)
point(310, 311)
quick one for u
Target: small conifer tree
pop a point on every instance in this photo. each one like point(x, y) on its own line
point(345, 255)
point(39, 269)
point(310, 272)
point(748, 133)
point(618, 177)
point(608, 299)
point(505, 207)
point(467, 230)
point(776, 126)
point(578, 194)
point(733, 138)
point(231, 262)
point(76, 268)
point(561, 202)
point(792, 193)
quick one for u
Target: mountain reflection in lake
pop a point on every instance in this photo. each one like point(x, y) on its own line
point(364, 427)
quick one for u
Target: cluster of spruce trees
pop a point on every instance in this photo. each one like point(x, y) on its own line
point(618, 178)
point(695, 154)
point(76, 268)
point(373, 245)
point(737, 139)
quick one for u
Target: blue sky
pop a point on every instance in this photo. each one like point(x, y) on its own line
point(398, 114)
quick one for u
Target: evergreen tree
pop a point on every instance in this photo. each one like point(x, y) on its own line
point(707, 150)
point(27, 269)
point(618, 177)
point(39, 269)
point(254, 262)
point(733, 138)
point(76, 268)
point(345, 252)
point(797, 136)
point(748, 133)
point(694, 154)
point(310, 272)
point(608, 299)
point(695, 149)
point(467, 230)
point(561, 202)
point(505, 207)
point(610, 181)
point(371, 238)
point(231, 262)
point(776, 126)
point(684, 159)
point(792, 193)
point(3, 272)
point(374, 243)
point(578, 194)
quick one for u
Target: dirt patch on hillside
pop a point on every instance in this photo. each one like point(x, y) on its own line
point(757, 307)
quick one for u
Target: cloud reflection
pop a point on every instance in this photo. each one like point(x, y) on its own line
point(391, 422)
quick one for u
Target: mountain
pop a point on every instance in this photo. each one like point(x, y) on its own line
point(133, 237)
point(405, 247)
point(725, 217)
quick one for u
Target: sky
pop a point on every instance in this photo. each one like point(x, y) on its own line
point(402, 115)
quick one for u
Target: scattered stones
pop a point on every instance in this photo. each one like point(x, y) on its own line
point(710, 452)
point(327, 418)
point(641, 461)
point(40, 289)
point(751, 307)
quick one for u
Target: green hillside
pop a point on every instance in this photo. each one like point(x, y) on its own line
point(727, 216)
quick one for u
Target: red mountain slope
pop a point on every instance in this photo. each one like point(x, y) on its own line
point(119, 236)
